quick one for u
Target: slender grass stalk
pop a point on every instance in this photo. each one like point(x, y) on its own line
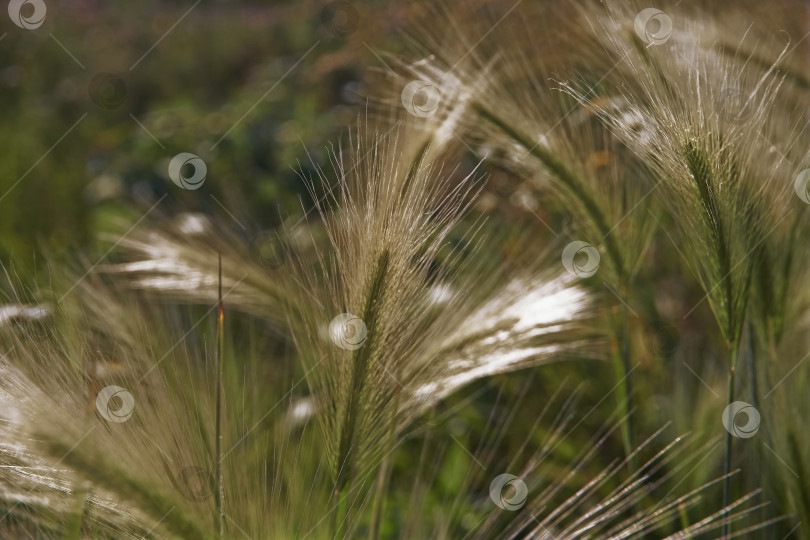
point(382, 477)
point(799, 464)
point(73, 528)
point(621, 363)
point(752, 373)
point(628, 382)
point(752, 364)
point(219, 516)
point(732, 375)
point(341, 510)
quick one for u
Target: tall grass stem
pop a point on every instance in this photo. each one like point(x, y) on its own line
point(219, 517)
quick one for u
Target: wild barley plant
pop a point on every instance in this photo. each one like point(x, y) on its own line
point(498, 95)
point(88, 476)
point(686, 111)
point(740, 95)
point(368, 400)
point(395, 348)
point(386, 322)
point(689, 115)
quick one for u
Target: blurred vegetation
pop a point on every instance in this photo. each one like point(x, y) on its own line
point(224, 83)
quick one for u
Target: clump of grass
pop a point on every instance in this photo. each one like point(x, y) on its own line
point(513, 116)
point(699, 144)
point(387, 224)
point(397, 297)
point(132, 486)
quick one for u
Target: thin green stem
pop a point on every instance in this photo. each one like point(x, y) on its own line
point(341, 510)
point(798, 462)
point(752, 373)
point(752, 365)
point(620, 352)
point(335, 514)
point(382, 476)
point(732, 374)
point(219, 515)
point(76, 516)
point(623, 336)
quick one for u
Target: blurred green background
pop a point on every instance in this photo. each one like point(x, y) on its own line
point(256, 90)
